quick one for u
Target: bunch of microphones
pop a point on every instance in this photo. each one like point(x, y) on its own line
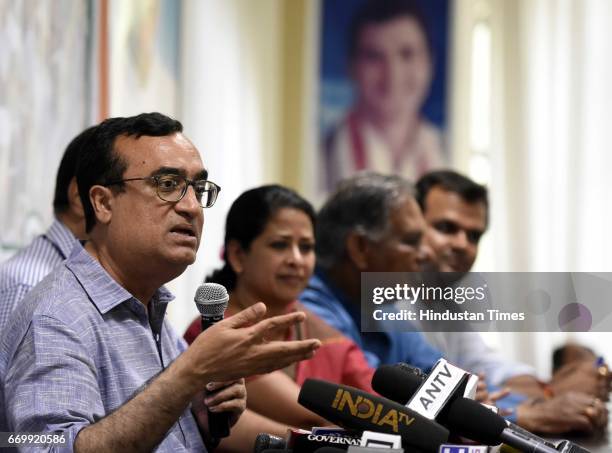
point(418, 413)
point(433, 413)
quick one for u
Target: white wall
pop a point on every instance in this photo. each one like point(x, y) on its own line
point(230, 109)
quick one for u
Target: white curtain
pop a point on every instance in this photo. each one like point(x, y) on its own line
point(551, 187)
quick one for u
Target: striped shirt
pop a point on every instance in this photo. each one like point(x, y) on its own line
point(30, 265)
point(78, 347)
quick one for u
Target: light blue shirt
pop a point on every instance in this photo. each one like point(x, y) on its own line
point(333, 306)
point(79, 346)
point(386, 347)
point(30, 265)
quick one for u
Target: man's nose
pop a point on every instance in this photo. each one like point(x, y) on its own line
point(425, 254)
point(460, 240)
point(189, 203)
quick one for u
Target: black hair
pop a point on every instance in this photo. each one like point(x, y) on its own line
point(248, 217)
point(559, 355)
point(451, 181)
point(100, 163)
point(557, 358)
point(380, 11)
point(67, 170)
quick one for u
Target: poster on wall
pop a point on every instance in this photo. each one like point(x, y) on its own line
point(383, 90)
point(45, 100)
point(144, 56)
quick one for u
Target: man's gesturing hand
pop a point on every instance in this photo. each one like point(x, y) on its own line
point(239, 346)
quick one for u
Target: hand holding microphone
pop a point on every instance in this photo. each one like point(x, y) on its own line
point(211, 300)
point(234, 348)
point(219, 408)
point(237, 347)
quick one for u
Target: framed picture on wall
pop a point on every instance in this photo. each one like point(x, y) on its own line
point(383, 90)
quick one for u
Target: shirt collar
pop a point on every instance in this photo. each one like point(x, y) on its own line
point(102, 289)
point(61, 237)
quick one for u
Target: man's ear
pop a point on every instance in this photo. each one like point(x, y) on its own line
point(74, 200)
point(357, 246)
point(235, 256)
point(102, 199)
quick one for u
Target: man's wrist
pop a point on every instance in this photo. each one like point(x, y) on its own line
point(183, 379)
point(181, 372)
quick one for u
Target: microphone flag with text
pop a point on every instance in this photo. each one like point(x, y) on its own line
point(462, 416)
point(355, 409)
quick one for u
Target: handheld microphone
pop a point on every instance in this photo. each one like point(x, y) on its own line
point(462, 416)
point(211, 300)
point(359, 410)
point(474, 421)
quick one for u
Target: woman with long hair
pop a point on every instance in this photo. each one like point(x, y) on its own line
point(269, 256)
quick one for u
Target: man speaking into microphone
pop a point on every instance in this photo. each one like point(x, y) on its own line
point(88, 355)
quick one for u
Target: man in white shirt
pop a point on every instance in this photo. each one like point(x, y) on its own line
point(456, 212)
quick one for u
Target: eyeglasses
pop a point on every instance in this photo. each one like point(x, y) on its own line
point(172, 188)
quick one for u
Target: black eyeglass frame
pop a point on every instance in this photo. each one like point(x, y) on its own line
point(188, 182)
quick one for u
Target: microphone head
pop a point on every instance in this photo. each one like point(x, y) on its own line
point(211, 299)
point(397, 382)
